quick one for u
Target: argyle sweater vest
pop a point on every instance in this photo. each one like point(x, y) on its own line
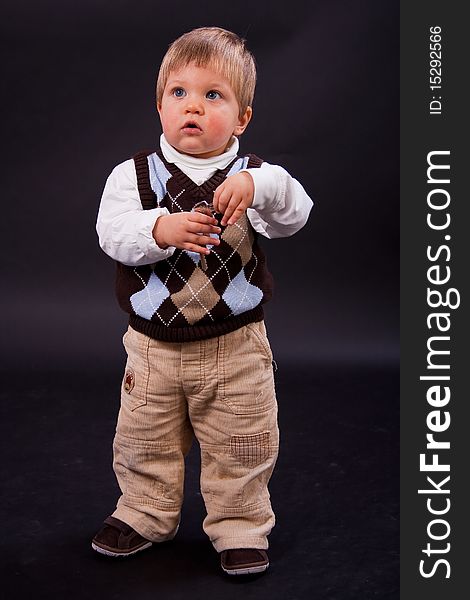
point(176, 299)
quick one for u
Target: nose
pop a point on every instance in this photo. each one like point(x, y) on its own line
point(194, 106)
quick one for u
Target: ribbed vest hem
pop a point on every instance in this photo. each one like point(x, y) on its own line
point(196, 332)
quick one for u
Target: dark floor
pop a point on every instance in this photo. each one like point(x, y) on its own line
point(335, 493)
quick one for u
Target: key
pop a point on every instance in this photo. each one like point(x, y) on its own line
point(205, 208)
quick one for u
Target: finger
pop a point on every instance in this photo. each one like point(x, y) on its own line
point(230, 209)
point(203, 240)
point(197, 217)
point(215, 199)
point(196, 248)
point(202, 228)
point(223, 199)
point(237, 213)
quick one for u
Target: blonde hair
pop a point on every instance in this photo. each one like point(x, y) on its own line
point(218, 49)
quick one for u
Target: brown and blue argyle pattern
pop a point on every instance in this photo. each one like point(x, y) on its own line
point(177, 294)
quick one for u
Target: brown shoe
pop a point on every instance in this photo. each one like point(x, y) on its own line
point(244, 561)
point(116, 538)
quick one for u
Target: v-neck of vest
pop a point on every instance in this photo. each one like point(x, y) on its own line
point(207, 187)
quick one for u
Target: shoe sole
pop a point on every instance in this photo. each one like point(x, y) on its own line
point(108, 552)
point(246, 570)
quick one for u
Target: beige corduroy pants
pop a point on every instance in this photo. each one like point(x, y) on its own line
point(221, 391)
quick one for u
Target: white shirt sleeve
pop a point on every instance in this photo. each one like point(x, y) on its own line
point(124, 228)
point(281, 205)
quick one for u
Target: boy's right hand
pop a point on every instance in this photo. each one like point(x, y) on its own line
point(186, 230)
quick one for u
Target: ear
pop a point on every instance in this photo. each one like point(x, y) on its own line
point(159, 107)
point(243, 121)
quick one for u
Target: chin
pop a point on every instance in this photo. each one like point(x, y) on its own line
point(196, 152)
point(191, 151)
point(186, 148)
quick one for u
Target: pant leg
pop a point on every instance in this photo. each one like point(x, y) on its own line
point(234, 418)
point(153, 435)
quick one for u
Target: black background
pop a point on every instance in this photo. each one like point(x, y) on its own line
point(78, 94)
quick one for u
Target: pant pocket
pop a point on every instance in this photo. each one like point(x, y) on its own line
point(258, 331)
point(251, 449)
point(245, 374)
point(137, 371)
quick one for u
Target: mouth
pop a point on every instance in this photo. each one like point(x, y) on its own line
point(191, 127)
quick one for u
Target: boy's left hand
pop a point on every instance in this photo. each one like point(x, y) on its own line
point(233, 197)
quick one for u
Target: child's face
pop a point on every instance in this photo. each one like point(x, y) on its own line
point(199, 112)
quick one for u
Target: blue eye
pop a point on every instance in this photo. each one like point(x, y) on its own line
point(213, 95)
point(179, 93)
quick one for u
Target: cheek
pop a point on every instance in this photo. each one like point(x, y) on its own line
point(167, 118)
point(220, 125)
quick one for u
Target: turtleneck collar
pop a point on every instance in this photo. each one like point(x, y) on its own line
point(199, 167)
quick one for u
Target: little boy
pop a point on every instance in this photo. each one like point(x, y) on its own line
point(182, 224)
